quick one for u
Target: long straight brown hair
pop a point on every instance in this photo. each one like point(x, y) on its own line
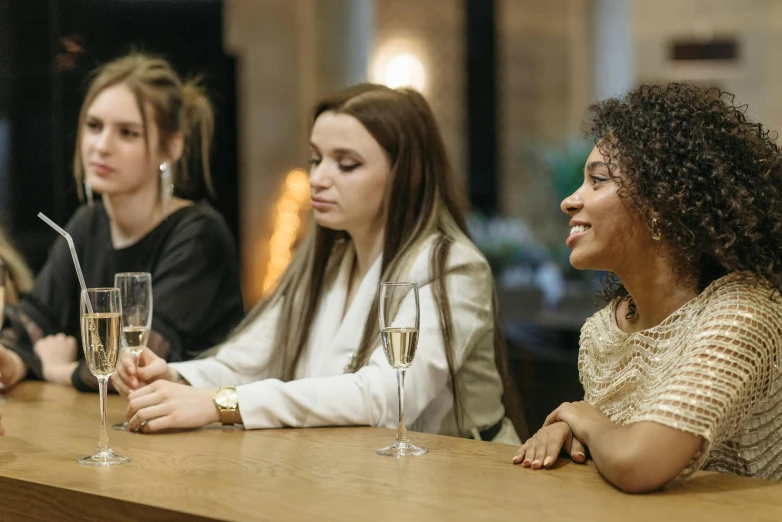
point(423, 198)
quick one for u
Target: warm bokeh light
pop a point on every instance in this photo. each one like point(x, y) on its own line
point(398, 63)
point(295, 198)
point(404, 70)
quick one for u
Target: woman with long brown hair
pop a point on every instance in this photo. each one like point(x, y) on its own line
point(143, 145)
point(387, 207)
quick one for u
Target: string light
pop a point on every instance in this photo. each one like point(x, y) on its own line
point(295, 198)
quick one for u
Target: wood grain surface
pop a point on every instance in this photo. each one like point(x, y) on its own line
point(313, 474)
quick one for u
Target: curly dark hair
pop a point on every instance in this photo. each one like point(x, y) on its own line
point(712, 178)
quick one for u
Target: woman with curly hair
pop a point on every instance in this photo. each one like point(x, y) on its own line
point(681, 371)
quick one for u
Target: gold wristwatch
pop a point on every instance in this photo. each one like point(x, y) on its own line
point(227, 401)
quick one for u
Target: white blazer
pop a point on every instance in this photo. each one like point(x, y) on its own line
point(322, 394)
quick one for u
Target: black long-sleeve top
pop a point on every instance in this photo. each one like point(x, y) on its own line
point(197, 296)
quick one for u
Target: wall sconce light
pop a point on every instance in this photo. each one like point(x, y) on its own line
point(405, 70)
point(398, 62)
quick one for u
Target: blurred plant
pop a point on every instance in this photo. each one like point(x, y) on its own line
point(515, 257)
point(505, 242)
point(562, 167)
point(565, 162)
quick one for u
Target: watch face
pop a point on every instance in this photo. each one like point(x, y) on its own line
point(226, 398)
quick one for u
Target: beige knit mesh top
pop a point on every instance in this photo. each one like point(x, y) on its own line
point(712, 368)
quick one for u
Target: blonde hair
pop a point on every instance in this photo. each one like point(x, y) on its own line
point(18, 277)
point(177, 107)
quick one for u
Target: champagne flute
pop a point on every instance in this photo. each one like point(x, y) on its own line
point(399, 313)
point(135, 293)
point(100, 333)
point(3, 270)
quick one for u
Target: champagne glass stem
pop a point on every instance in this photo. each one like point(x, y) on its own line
point(401, 430)
point(134, 356)
point(103, 444)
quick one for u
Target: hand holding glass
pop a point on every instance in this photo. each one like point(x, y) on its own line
point(101, 314)
point(399, 319)
point(135, 292)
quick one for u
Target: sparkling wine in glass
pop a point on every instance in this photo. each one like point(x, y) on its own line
point(399, 313)
point(135, 292)
point(100, 337)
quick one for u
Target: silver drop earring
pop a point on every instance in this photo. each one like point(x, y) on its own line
point(88, 192)
point(166, 186)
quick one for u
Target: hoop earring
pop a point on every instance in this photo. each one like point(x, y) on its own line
point(166, 187)
point(656, 233)
point(88, 192)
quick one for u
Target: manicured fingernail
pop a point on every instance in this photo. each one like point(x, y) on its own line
point(535, 462)
point(546, 461)
point(515, 459)
point(579, 454)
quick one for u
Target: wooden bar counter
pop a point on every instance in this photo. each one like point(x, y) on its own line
point(313, 474)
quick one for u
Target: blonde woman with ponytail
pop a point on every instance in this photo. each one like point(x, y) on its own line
point(143, 139)
point(387, 207)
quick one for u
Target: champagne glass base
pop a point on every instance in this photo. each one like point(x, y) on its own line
point(104, 458)
point(402, 449)
point(123, 426)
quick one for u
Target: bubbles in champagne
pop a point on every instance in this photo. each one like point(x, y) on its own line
point(399, 345)
point(100, 339)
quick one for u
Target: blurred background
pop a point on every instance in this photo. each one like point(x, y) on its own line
point(508, 80)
